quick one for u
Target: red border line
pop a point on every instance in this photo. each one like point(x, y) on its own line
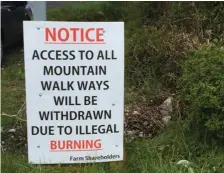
point(72, 43)
point(74, 150)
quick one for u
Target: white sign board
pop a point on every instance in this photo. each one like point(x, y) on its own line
point(74, 91)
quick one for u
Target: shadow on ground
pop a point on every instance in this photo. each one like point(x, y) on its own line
point(13, 54)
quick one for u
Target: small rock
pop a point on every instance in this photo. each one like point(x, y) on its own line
point(145, 123)
point(185, 163)
point(168, 103)
point(136, 113)
point(166, 119)
point(126, 110)
point(164, 112)
point(166, 108)
point(130, 133)
point(12, 130)
point(141, 134)
point(3, 142)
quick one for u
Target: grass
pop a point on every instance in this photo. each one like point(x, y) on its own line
point(158, 155)
point(12, 84)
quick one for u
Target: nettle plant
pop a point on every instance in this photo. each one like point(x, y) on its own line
point(202, 85)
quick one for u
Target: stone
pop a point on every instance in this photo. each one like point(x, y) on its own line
point(166, 119)
point(166, 107)
point(169, 104)
point(12, 130)
point(126, 110)
point(164, 113)
point(136, 113)
point(141, 134)
point(130, 132)
point(185, 163)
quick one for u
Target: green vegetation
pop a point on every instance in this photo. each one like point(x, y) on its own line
point(159, 155)
point(171, 49)
point(203, 90)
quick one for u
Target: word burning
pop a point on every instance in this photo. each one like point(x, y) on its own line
point(75, 145)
